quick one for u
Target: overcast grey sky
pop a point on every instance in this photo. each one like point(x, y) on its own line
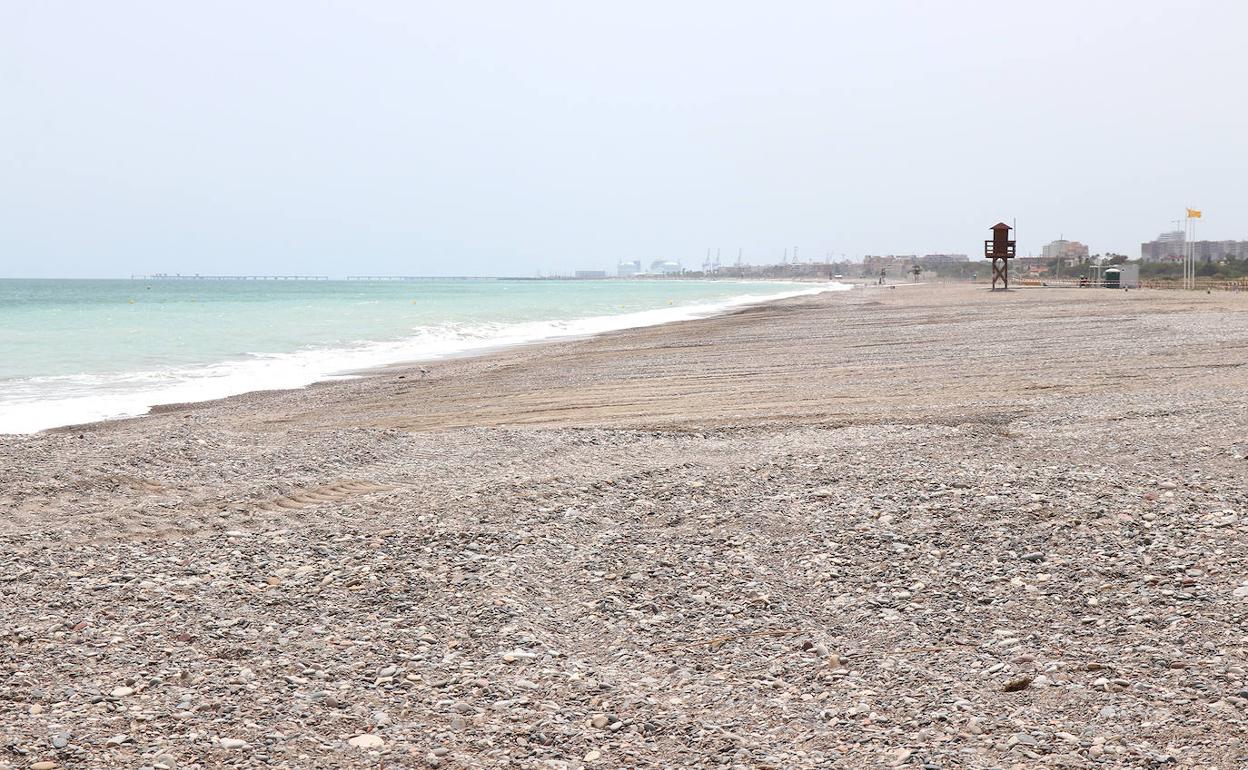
point(508, 137)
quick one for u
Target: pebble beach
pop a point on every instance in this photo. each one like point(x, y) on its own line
point(919, 526)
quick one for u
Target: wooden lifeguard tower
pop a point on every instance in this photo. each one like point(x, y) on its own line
point(1000, 250)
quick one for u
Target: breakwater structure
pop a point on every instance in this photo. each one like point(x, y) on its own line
point(197, 277)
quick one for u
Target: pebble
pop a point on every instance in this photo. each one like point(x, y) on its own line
point(60, 740)
point(600, 721)
point(44, 765)
point(1017, 685)
point(234, 743)
point(121, 692)
point(367, 741)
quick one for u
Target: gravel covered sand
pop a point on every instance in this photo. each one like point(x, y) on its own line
point(916, 527)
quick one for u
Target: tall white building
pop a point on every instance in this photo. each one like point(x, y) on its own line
point(1063, 249)
point(628, 269)
point(1169, 245)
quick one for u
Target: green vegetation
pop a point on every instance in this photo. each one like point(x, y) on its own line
point(1229, 269)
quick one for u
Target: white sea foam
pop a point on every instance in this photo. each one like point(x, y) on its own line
point(38, 403)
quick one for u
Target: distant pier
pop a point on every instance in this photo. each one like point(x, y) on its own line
point(428, 278)
point(180, 277)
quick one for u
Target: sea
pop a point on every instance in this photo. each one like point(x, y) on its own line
point(76, 351)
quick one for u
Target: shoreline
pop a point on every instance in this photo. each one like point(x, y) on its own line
point(577, 328)
point(853, 529)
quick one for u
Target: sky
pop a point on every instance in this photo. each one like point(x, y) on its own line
point(507, 138)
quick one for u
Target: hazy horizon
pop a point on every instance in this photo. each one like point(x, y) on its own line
point(500, 139)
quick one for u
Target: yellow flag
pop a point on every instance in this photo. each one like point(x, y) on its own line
point(1193, 213)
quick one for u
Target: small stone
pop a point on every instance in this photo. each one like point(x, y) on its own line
point(1016, 685)
point(461, 708)
point(367, 741)
point(593, 755)
point(121, 692)
point(60, 740)
point(1033, 556)
point(47, 764)
point(1022, 739)
point(600, 721)
point(387, 672)
point(165, 762)
point(1168, 485)
point(1108, 712)
point(233, 743)
point(116, 740)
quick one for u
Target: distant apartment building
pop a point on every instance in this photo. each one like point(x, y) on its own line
point(1216, 251)
point(628, 269)
point(591, 273)
point(1170, 247)
point(665, 267)
point(937, 261)
point(874, 263)
point(1064, 249)
point(1166, 246)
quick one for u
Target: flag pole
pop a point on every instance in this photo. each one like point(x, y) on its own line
point(1188, 277)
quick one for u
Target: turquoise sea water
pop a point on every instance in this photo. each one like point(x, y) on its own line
point(76, 350)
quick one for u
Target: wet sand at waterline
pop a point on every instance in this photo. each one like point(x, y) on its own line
point(888, 526)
